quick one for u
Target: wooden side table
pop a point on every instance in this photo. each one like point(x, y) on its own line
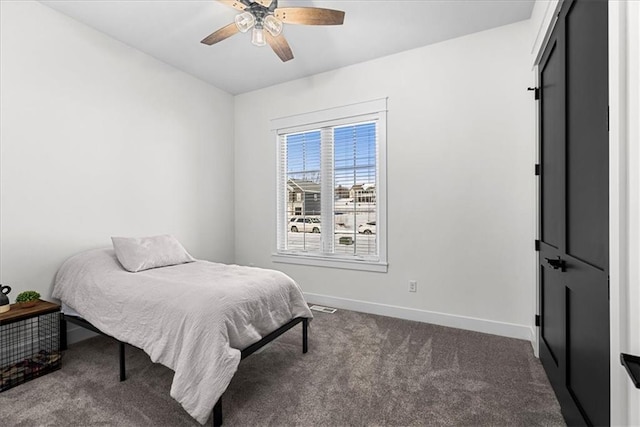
point(29, 343)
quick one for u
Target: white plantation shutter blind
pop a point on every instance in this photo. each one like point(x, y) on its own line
point(355, 166)
point(301, 181)
point(331, 186)
point(282, 194)
point(327, 190)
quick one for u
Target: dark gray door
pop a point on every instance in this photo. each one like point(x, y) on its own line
point(574, 255)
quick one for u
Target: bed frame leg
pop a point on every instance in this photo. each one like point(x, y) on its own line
point(217, 413)
point(305, 326)
point(63, 332)
point(123, 374)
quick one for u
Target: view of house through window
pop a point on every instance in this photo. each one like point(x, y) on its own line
point(331, 187)
point(303, 191)
point(346, 156)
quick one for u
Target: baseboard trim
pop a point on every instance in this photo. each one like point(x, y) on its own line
point(76, 334)
point(509, 330)
point(533, 337)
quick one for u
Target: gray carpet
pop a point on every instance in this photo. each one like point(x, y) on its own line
point(361, 370)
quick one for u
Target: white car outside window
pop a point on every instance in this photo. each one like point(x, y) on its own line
point(304, 225)
point(367, 228)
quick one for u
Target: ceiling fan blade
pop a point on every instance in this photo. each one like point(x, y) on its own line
point(280, 46)
point(223, 33)
point(236, 4)
point(309, 16)
point(265, 3)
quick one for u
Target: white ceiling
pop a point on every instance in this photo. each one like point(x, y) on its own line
point(171, 32)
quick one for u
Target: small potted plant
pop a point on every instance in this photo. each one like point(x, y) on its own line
point(27, 299)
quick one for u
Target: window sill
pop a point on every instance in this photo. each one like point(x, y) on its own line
point(347, 264)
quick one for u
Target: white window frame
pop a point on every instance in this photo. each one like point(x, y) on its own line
point(348, 114)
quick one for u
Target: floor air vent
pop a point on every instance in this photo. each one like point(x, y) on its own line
point(323, 309)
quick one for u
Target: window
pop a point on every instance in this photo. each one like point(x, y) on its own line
point(332, 187)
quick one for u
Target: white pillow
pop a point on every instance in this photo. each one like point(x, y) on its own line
point(137, 254)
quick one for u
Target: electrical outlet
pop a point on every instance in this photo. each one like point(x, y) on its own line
point(413, 286)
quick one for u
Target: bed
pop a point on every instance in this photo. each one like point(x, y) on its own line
point(198, 318)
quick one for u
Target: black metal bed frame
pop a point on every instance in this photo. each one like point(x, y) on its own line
point(217, 408)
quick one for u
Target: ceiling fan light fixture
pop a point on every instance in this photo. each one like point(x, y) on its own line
point(245, 21)
point(261, 15)
point(273, 25)
point(257, 37)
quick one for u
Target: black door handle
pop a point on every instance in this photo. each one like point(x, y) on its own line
point(632, 365)
point(557, 264)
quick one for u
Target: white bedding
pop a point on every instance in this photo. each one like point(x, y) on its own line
point(193, 318)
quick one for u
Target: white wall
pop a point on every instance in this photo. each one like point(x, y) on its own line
point(632, 328)
point(98, 139)
point(460, 180)
point(624, 104)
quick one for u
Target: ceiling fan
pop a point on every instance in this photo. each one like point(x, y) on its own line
point(264, 15)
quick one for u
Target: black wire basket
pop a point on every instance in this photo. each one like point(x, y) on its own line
point(29, 348)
